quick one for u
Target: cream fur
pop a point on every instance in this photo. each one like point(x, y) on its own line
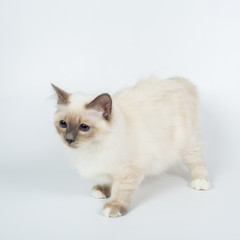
point(154, 125)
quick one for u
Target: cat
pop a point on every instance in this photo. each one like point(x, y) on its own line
point(119, 140)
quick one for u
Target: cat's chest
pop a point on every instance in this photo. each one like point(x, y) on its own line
point(93, 165)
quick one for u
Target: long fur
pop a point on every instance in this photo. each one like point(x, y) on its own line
point(153, 125)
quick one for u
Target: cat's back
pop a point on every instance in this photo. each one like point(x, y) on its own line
point(153, 92)
point(158, 108)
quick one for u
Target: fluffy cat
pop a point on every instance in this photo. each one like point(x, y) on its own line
point(139, 131)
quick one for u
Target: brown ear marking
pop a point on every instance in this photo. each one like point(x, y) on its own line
point(63, 96)
point(102, 103)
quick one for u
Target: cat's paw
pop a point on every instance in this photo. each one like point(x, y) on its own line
point(101, 192)
point(98, 194)
point(200, 184)
point(114, 210)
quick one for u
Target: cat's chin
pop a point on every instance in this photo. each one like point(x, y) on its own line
point(72, 146)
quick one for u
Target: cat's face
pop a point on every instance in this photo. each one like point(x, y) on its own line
point(81, 120)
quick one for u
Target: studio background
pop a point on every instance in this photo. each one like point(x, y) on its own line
point(104, 46)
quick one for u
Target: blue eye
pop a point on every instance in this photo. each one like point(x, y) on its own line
point(84, 127)
point(63, 124)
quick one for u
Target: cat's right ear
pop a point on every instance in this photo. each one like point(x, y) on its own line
point(63, 97)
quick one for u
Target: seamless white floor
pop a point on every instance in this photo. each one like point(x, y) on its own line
point(39, 202)
point(103, 46)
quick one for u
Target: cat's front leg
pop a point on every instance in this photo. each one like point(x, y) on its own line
point(123, 188)
point(101, 191)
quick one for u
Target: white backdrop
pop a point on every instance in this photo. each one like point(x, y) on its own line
point(103, 46)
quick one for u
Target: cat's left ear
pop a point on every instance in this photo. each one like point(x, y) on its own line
point(102, 103)
point(63, 97)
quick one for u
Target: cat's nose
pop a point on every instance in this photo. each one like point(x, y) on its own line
point(69, 140)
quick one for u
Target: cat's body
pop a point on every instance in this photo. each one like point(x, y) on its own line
point(146, 129)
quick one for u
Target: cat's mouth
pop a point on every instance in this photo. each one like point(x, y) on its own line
point(72, 144)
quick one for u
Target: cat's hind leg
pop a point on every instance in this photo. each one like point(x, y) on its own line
point(192, 158)
point(101, 191)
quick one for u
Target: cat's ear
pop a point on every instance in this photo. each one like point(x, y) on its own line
point(63, 97)
point(102, 103)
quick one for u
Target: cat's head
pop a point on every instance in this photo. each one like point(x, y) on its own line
point(81, 119)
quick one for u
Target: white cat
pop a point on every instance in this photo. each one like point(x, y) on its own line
point(140, 131)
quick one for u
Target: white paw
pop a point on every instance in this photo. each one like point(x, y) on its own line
point(113, 210)
point(200, 184)
point(98, 194)
point(107, 212)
